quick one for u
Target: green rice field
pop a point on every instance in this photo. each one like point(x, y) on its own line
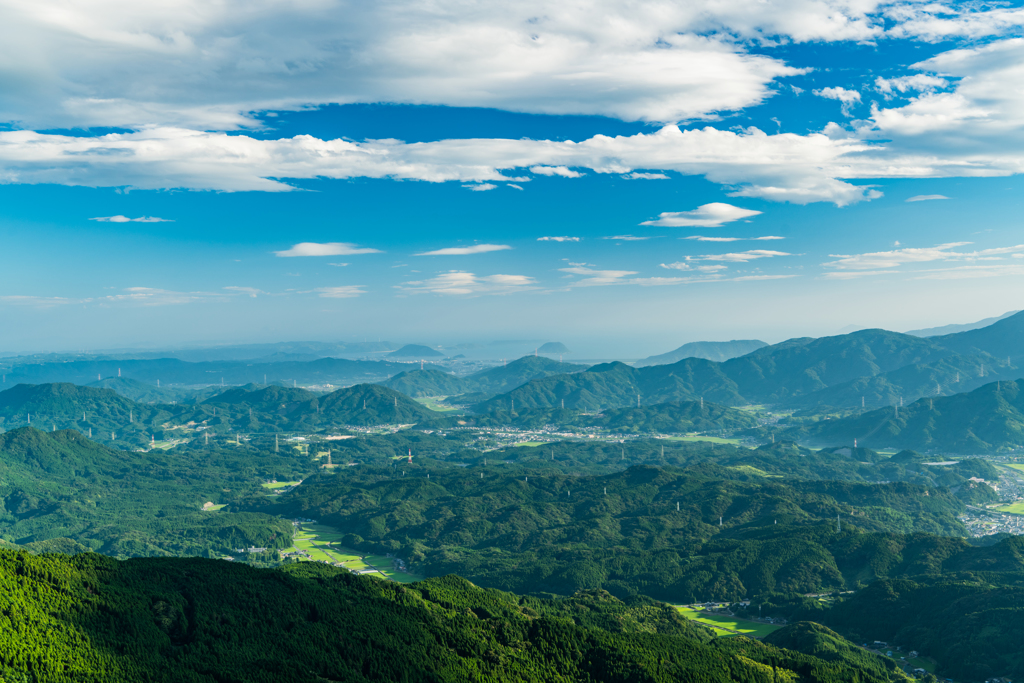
point(728, 626)
point(533, 444)
point(1015, 508)
point(322, 545)
point(711, 439)
point(433, 403)
point(1019, 468)
point(280, 484)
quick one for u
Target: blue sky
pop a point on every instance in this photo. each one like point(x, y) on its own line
point(711, 171)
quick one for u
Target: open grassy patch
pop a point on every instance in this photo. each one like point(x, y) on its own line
point(280, 484)
point(710, 439)
point(1014, 508)
point(434, 403)
point(728, 626)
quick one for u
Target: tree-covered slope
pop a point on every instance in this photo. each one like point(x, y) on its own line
point(92, 619)
point(429, 382)
point(987, 420)
point(716, 351)
point(63, 485)
point(702, 533)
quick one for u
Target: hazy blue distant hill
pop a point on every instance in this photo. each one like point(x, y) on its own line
point(415, 351)
point(173, 371)
point(987, 420)
point(142, 392)
point(716, 351)
point(1001, 339)
point(553, 348)
point(951, 329)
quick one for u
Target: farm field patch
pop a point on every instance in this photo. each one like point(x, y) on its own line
point(726, 625)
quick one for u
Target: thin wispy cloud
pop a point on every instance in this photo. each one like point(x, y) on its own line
point(340, 292)
point(561, 171)
point(466, 251)
point(702, 238)
point(482, 187)
point(251, 292)
point(125, 219)
point(559, 239)
point(910, 255)
point(462, 283)
point(926, 197)
point(626, 238)
point(740, 257)
point(711, 215)
point(325, 249)
point(644, 176)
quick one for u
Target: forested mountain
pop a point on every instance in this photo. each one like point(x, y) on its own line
point(987, 420)
point(429, 382)
point(502, 378)
point(716, 351)
point(149, 393)
point(675, 417)
point(89, 618)
point(734, 534)
point(136, 504)
point(871, 367)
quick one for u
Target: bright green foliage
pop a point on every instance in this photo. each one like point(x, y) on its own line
point(62, 485)
point(562, 533)
point(92, 619)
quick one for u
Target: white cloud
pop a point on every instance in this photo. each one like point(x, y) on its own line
point(482, 187)
point(559, 239)
point(150, 296)
point(462, 283)
point(252, 292)
point(851, 275)
point(707, 216)
point(626, 238)
point(465, 251)
point(125, 219)
point(898, 257)
point(597, 277)
point(514, 186)
point(701, 238)
point(848, 98)
point(739, 257)
point(326, 249)
point(645, 176)
point(914, 83)
point(937, 21)
point(555, 171)
point(926, 197)
point(338, 265)
point(342, 292)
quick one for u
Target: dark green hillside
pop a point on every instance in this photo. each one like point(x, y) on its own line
point(371, 404)
point(875, 365)
point(987, 420)
point(544, 531)
point(265, 398)
point(68, 406)
point(819, 641)
point(62, 485)
point(1000, 339)
point(89, 619)
point(972, 623)
point(507, 377)
point(429, 382)
point(675, 417)
point(141, 392)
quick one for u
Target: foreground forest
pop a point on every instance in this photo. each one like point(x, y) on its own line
point(92, 619)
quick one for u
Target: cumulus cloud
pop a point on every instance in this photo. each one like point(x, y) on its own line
point(555, 171)
point(707, 216)
point(465, 251)
point(914, 83)
point(125, 219)
point(325, 249)
point(847, 98)
point(926, 197)
point(645, 176)
point(458, 282)
point(898, 257)
point(559, 239)
point(340, 292)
